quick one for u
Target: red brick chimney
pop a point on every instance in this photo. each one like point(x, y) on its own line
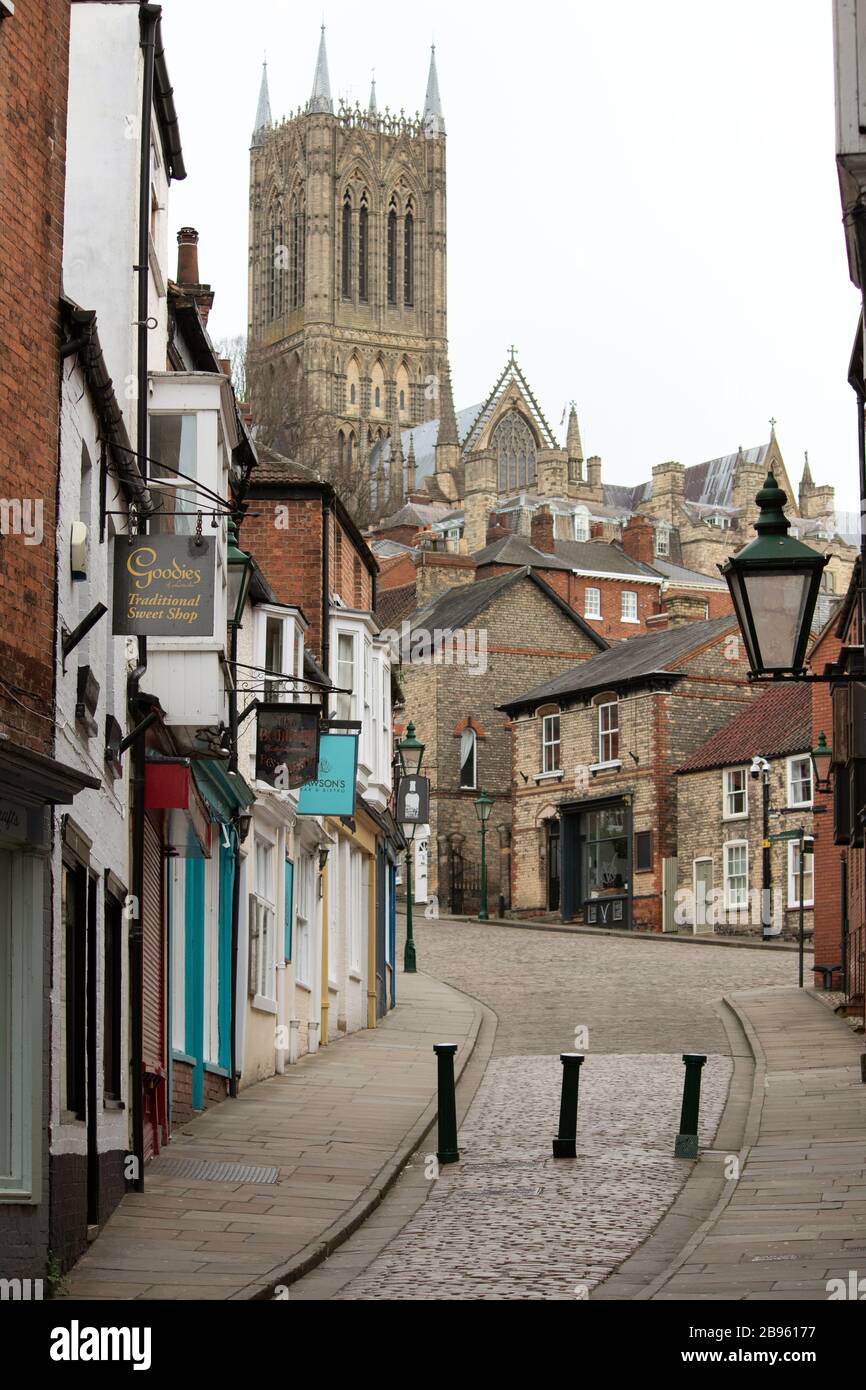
point(596, 531)
point(497, 527)
point(541, 530)
point(187, 256)
point(187, 272)
point(638, 539)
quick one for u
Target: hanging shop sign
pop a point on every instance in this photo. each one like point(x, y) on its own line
point(413, 801)
point(287, 745)
point(164, 586)
point(332, 793)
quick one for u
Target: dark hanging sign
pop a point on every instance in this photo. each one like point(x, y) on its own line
point(164, 586)
point(413, 801)
point(287, 745)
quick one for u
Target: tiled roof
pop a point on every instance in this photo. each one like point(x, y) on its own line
point(777, 725)
point(393, 605)
point(453, 609)
point(628, 661)
point(276, 468)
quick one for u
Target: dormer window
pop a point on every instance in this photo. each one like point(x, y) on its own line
point(663, 542)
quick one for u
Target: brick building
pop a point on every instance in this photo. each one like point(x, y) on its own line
point(497, 635)
point(595, 752)
point(720, 822)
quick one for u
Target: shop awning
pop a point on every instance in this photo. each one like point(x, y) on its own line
point(169, 786)
point(224, 793)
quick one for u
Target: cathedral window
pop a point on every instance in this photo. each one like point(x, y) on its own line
point(378, 398)
point(353, 394)
point(346, 275)
point(276, 266)
point(409, 259)
point(296, 265)
point(392, 254)
point(402, 400)
point(363, 249)
point(515, 444)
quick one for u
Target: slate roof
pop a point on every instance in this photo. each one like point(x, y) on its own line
point(456, 607)
point(596, 557)
point(517, 550)
point(417, 514)
point(777, 725)
point(627, 662)
point(680, 575)
point(424, 438)
point(709, 484)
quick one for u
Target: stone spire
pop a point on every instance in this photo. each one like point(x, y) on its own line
point(573, 445)
point(806, 480)
point(410, 465)
point(263, 113)
point(447, 417)
point(372, 107)
point(433, 122)
point(320, 101)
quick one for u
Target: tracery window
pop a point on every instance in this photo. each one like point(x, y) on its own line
point(347, 248)
point(392, 253)
point(409, 259)
point(276, 265)
point(363, 249)
point(296, 287)
point(516, 447)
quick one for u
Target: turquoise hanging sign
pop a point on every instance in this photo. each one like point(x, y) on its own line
point(333, 792)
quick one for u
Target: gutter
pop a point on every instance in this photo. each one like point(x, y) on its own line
point(166, 114)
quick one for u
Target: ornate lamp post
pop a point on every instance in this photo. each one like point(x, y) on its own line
point(483, 806)
point(822, 761)
point(774, 583)
point(411, 754)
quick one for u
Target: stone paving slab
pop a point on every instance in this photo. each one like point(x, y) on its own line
point(796, 1216)
point(339, 1125)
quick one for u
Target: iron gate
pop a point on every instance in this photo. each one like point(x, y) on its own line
point(465, 884)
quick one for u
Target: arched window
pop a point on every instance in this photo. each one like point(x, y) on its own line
point(409, 258)
point(402, 400)
point(296, 275)
point(353, 394)
point(392, 253)
point(514, 441)
point(276, 265)
point(468, 759)
point(378, 398)
point(347, 248)
point(363, 249)
point(341, 448)
point(350, 450)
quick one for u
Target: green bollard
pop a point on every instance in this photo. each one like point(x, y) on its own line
point(447, 1151)
point(686, 1145)
point(565, 1144)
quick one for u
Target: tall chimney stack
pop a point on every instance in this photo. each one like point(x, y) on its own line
point(187, 257)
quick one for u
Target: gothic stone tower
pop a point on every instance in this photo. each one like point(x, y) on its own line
point(347, 287)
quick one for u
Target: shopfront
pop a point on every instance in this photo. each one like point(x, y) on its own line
point(596, 862)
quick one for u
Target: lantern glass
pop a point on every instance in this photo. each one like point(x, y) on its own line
point(239, 567)
point(411, 752)
point(483, 806)
point(822, 761)
point(778, 605)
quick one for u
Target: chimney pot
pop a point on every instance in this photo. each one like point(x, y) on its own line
point(187, 257)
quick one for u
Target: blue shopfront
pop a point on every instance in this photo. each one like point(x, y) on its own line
point(201, 932)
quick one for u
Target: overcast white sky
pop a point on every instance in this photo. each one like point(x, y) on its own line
point(641, 196)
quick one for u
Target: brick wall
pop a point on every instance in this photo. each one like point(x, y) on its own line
point(289, 555)
point(572, 588)
point(528, 640)
point(34, 46)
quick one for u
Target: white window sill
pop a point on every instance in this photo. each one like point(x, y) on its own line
point(740, 816)
point(265, 1005)
point(549, 776)
point(593, 617)
point(606, 767)
point(799, 806)
point(636, 621)
point(308, 989)
point(356, 976)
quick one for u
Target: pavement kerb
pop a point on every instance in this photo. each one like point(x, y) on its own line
point(348, 1222)
point(573, 929)
point(751, 1131)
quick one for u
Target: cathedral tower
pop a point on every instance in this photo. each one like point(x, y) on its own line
point(347, 275)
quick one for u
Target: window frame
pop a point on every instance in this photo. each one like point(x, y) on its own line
point(624, 617)
point(611, 733)
point(728, 815)
point(789, 782)
point(263, 925)
point(793, 873)
point(727, 876)
point(587, 611)
point(553, 764)
point(305, 908)
point(473, 785)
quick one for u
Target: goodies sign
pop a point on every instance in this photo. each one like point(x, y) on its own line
point(287, 745)
point(164, 586)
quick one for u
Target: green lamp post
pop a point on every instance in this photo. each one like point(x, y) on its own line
point(483, 806)
point(410, 752)
point(822, 761)
point(774, 583)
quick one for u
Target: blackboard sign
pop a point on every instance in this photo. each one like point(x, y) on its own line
point(164, 586)
point(287, 745)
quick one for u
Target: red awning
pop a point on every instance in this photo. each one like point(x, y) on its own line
point(169, 787)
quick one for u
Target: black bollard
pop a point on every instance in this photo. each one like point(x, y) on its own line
point(565, 1144)
point(447, 1151)
point(687, 1140)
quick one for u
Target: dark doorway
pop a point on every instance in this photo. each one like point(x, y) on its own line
point(553, 865)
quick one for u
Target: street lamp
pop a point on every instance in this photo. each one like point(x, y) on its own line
point(410, 752)
point(240, 573)
point(774, 583)
point(483, 806)
point(822, 759)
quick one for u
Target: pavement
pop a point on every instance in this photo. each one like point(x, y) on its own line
point(338, 1126)
point(774, 1208)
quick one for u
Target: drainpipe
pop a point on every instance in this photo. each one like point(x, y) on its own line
point(149, 16)
point(326, 590)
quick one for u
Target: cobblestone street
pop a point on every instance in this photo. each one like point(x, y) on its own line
point(509, 1221)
